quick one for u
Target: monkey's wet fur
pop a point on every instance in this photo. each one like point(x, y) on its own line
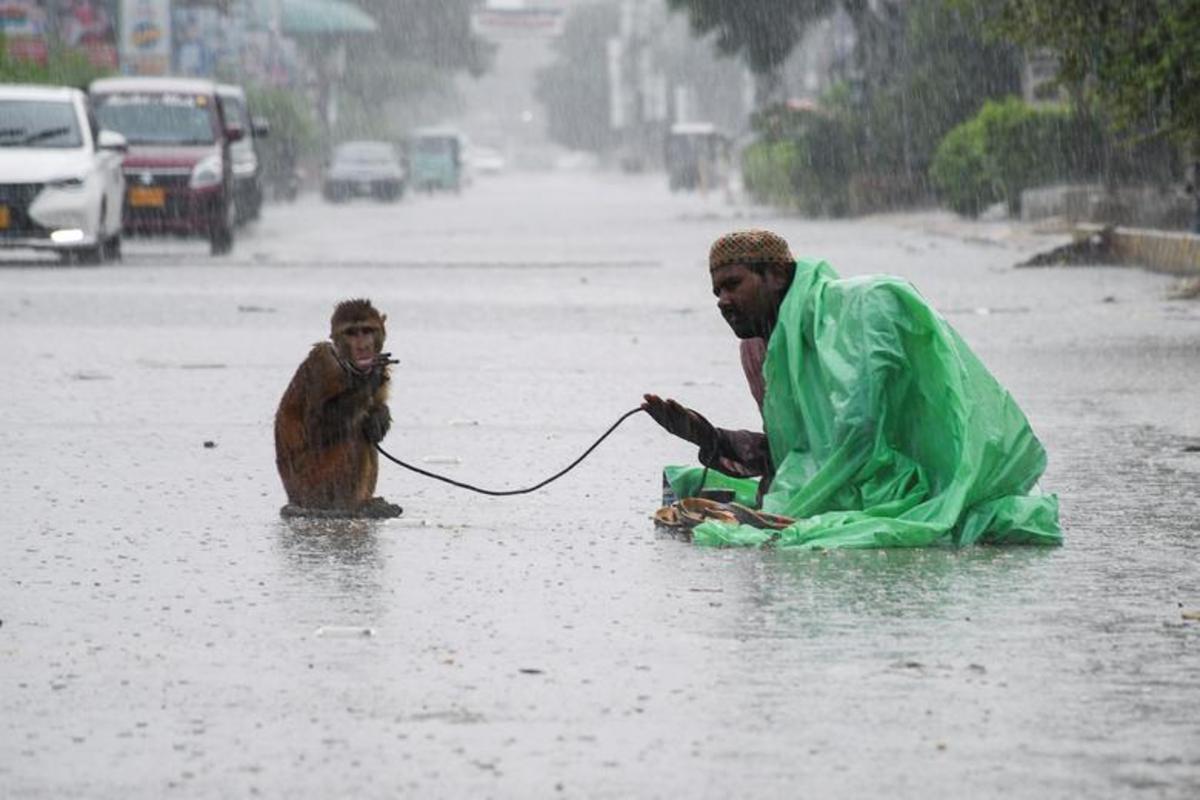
point(331, 417)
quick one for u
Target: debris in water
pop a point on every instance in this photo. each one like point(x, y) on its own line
point(530, 671)
point(1188, 289)
point(463, 423)
point(343, 632)
point(202, 366)
point(256, 310)
point(442, 460)
point(90, 376)
point(1094, 249)
point(1193, 616)
point(209, 444)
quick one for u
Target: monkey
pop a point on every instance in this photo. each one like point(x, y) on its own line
point(332, 415)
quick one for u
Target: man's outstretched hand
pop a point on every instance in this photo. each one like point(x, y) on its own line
point(681, 421)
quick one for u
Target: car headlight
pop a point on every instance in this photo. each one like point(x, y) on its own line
point(207, 173)
point(69, 184)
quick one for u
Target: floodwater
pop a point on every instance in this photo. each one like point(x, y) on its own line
point(164, 633)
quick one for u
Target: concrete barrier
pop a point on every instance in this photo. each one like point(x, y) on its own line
point(1174, 252)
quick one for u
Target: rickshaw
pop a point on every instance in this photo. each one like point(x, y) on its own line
point(435, 161)
point(697, 156)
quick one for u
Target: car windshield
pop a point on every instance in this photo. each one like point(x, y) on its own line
point(158, 118)
point(39, 123)
point(364, 154)
point(434, 146)
point(235, 111)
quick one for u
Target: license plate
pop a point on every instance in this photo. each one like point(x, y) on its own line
point(4, 218)
point(147, 196)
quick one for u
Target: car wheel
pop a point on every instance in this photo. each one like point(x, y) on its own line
point(112, 247)
point(86, 256)
point(220, 240)
point(220, 236)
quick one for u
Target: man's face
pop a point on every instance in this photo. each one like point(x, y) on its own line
point(747, 298)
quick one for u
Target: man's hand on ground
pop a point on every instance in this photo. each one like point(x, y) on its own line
point(681, 421)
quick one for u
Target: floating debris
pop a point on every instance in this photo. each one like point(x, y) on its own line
point(343, 632)
point(1093, 249)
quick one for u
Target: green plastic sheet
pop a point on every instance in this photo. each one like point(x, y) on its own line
point(885, 430)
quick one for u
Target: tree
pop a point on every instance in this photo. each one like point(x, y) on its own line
point(1140, 58)
point(574, 87)
point(762, 32)
point(403, 74)
point(926, 66)
point(433, 32)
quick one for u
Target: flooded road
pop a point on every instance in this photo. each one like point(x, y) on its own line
point(164, 633)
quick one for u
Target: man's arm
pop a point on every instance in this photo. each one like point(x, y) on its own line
point(740, 454)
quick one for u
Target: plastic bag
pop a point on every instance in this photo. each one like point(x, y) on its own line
point(885, 430)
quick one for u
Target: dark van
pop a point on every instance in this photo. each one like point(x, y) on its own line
point(178, 171)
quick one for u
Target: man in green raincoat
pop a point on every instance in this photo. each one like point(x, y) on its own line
point(881, 427)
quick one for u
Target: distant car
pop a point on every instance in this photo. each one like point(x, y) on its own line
point(486, 160)
point(179, 168)
point(363, 168)
point(247, 168)
point(61, 185)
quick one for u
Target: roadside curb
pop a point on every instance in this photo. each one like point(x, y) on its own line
point(1172, 252)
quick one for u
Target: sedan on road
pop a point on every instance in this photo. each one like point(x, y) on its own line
point(61, 184)
point(364, 169)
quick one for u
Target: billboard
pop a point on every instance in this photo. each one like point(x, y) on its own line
point(88, 26)
point(145, 37)
point(23, 25)
point(504, 22)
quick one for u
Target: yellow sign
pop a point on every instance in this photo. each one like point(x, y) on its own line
point(147, 196)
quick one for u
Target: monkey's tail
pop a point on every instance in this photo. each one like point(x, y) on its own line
point(507, 492)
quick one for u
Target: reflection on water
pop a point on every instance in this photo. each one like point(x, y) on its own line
point(803, 593)
point(337, 558)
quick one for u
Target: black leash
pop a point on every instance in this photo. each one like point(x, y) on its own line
point(506, 492)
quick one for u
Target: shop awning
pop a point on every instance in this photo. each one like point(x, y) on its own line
point(324, 17)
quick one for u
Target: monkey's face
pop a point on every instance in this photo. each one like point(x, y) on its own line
point(359, 342)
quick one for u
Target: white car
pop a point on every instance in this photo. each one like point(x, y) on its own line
point(61, 183)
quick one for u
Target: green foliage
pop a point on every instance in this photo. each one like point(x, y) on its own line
point(1139, 57)
point(1010, 146)
point(63, 68)
point(960, 170)
point(290, 115)
point(926, 67)
point(573, 88)
point(802, 160)
point(763, 32)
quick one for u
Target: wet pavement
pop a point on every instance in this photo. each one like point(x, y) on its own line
point(164, 633)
